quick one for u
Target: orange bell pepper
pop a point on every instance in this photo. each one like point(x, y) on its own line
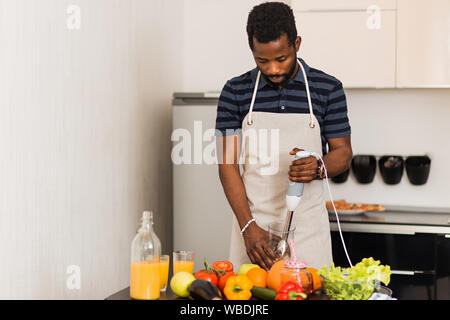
point(238, 288)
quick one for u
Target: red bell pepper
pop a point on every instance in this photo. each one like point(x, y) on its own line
point(291, 291)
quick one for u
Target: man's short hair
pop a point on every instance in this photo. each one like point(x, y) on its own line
point(268, 21)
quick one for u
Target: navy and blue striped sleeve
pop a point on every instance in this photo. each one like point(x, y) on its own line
point(228, 116)
point(336, 123)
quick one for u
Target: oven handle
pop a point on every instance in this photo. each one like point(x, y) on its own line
point(412, 273)
point(403, 272)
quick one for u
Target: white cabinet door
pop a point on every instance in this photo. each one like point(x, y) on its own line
point(346, 5)
point(350, 46)
point(423, 53)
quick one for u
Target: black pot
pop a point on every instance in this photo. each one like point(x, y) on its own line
point(364, 168)
point(341, 177)
point(418, 169)
point(391, 169)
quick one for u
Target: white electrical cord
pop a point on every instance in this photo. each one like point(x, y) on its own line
point(332, 202)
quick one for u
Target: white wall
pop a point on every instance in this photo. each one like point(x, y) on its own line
point(402, 122)
point(216, 46)
point(84, 123)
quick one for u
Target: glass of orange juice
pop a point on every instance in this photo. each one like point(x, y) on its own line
point(183, 261)
point(163, 271)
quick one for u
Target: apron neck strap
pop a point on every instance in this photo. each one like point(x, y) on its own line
point(255, 90)
point(249, 119)
point(311, 114)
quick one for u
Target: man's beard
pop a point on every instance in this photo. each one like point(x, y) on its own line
point(286, 76)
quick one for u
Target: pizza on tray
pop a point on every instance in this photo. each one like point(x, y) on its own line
point(342, 205)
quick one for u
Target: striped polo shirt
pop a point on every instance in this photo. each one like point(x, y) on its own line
point(327, 97)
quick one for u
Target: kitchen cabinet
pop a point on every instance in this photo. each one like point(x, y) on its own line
point(390, 44)
point(417, 261)
point(423, 45)
point(346, 5)
point(349, 40)
point(415, 244)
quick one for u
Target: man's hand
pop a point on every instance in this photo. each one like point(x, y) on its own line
point(257, 244)
point(302, 170)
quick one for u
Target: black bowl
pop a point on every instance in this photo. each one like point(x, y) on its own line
point(364, 168)
point(418, 169)
point(341, 177)
point(391, 169)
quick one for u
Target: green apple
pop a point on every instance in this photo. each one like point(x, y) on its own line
point(245, 267)
point(180, 283)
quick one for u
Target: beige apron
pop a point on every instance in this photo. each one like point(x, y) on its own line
point(266, 193)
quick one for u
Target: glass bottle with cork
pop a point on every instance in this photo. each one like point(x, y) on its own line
point(145, 260)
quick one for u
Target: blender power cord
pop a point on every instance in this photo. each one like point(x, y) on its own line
point(335, 211)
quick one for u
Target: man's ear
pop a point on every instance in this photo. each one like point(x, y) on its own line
point(298, 41)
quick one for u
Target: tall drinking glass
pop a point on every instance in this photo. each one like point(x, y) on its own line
point(163, 271)
point(183, 261)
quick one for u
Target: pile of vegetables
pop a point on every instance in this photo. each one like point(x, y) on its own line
point(355, 283)
point(218, 282)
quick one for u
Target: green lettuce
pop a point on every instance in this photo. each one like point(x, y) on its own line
point(355, 283)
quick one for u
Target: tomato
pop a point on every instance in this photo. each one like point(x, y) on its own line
point(223, 279)
point(207, 275)
point(223, 265)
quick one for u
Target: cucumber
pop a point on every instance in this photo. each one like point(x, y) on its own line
point(263, 293)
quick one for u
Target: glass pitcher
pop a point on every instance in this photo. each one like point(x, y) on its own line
point(145, 260)
point(276, 232)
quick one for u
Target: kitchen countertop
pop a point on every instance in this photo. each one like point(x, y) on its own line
point(124, 294)
point(396, 220)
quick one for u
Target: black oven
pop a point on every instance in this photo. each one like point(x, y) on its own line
point(417, 261)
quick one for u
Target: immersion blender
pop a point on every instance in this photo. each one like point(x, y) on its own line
point(293, 197)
